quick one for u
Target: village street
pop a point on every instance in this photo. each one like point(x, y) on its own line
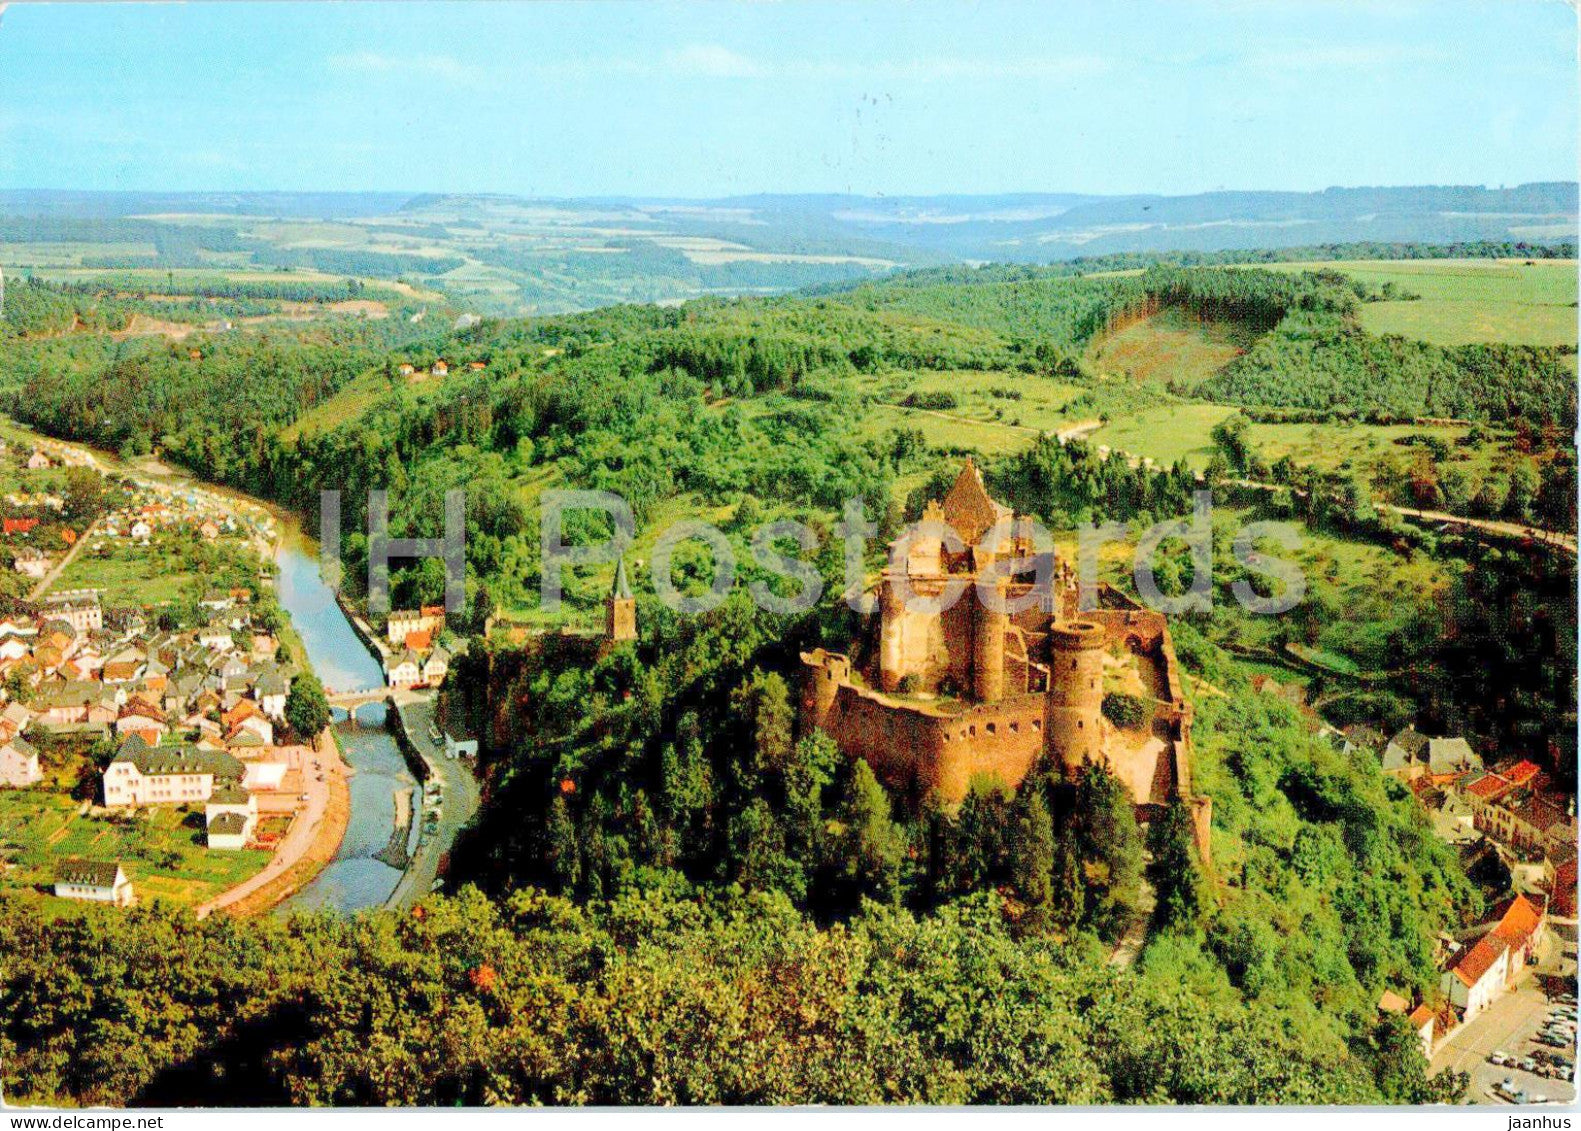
point(315, 831)
point(461, 798)
point(1507, 1026)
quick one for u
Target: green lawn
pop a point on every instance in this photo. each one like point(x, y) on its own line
point(1167, 433)
point(162, 848)
point(175, 566)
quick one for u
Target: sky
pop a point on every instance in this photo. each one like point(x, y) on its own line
point(707, 99)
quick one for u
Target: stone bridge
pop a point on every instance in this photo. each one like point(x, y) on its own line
point(353, 701)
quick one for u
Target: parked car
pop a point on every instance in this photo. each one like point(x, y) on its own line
point(1526, 1064)
point(1498, 1057)
point(1539, 1098)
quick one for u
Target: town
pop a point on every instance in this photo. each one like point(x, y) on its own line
point(152, 744)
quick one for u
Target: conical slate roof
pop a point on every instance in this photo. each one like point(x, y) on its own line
point(621, 588)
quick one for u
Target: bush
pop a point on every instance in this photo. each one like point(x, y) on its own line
point(1127, 712)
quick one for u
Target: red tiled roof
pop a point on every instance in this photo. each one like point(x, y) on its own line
point(1421, 1015)
point(1522, 772)
point(1473, 964)
point(1522, 916)
point(1392, 1002)
point(1490, 786)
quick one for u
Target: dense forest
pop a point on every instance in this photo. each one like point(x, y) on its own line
point(641, 1000)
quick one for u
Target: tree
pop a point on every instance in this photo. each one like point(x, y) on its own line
point(1128, 712)
point(1524, 485)
point(84, 494)
point(870, 845)
point(1175, 870)
point(1104, 819)
point(1032, 859)
point(306, 707)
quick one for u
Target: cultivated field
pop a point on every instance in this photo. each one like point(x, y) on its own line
point(1479, 300)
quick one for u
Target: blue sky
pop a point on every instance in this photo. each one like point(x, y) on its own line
point(707, 99)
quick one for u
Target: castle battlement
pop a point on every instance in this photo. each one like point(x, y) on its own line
point(973, 690)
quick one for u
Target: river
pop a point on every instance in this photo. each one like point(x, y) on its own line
point(354, 879)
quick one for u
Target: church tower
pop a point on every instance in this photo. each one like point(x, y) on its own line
point(620, 609)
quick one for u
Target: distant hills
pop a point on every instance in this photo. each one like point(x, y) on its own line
point(506, 254)
point(1017, 226)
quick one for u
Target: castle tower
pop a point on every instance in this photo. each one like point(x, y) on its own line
point(1075, 695)
point(620, 609)
point(825, 672)
point(891, 643)
point(988, 648)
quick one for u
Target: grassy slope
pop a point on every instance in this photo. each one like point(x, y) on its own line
point(1470, 300)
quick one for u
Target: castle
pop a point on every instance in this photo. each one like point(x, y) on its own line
point(941, 691)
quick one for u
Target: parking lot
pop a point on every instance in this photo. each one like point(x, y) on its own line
point(1509, 1026)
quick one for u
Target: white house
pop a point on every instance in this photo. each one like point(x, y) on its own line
point(140, 774)
point(1478, 975)
point(436, 666)
point(271, 690)
point(30, 562)
point(79, 608)
point(102, 881)
point(402, 670)
point(19, 764)
point(402, 623)
point(216, 637)
point(460, 747)
point(229, 817)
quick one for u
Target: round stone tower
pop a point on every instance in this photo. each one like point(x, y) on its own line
point(1075, 696)
point(988, 648)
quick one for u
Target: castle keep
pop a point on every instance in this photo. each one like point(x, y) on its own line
point(947, 686)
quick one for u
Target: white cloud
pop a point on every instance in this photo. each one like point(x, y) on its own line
point(711, 60)
point(445, 68)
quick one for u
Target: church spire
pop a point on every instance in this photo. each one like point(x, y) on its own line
point(620, 609)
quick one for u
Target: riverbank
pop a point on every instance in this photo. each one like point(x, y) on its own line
point(314, 839)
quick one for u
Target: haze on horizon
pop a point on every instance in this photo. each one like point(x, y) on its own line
point(692, 100)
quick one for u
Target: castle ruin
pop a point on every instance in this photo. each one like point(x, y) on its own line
point(981, 664)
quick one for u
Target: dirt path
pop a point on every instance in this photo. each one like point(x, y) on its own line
point(1130, 945)
point(1565, 541)
point(311, 843)
point(60, 567)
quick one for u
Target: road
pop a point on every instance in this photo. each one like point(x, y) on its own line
point(312, 840)
point(1508, 1026)
point(1561, 539)
point(60, 567)
point(460, 803)
point(1566, 542)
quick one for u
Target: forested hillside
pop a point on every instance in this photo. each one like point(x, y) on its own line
point(683, 901)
